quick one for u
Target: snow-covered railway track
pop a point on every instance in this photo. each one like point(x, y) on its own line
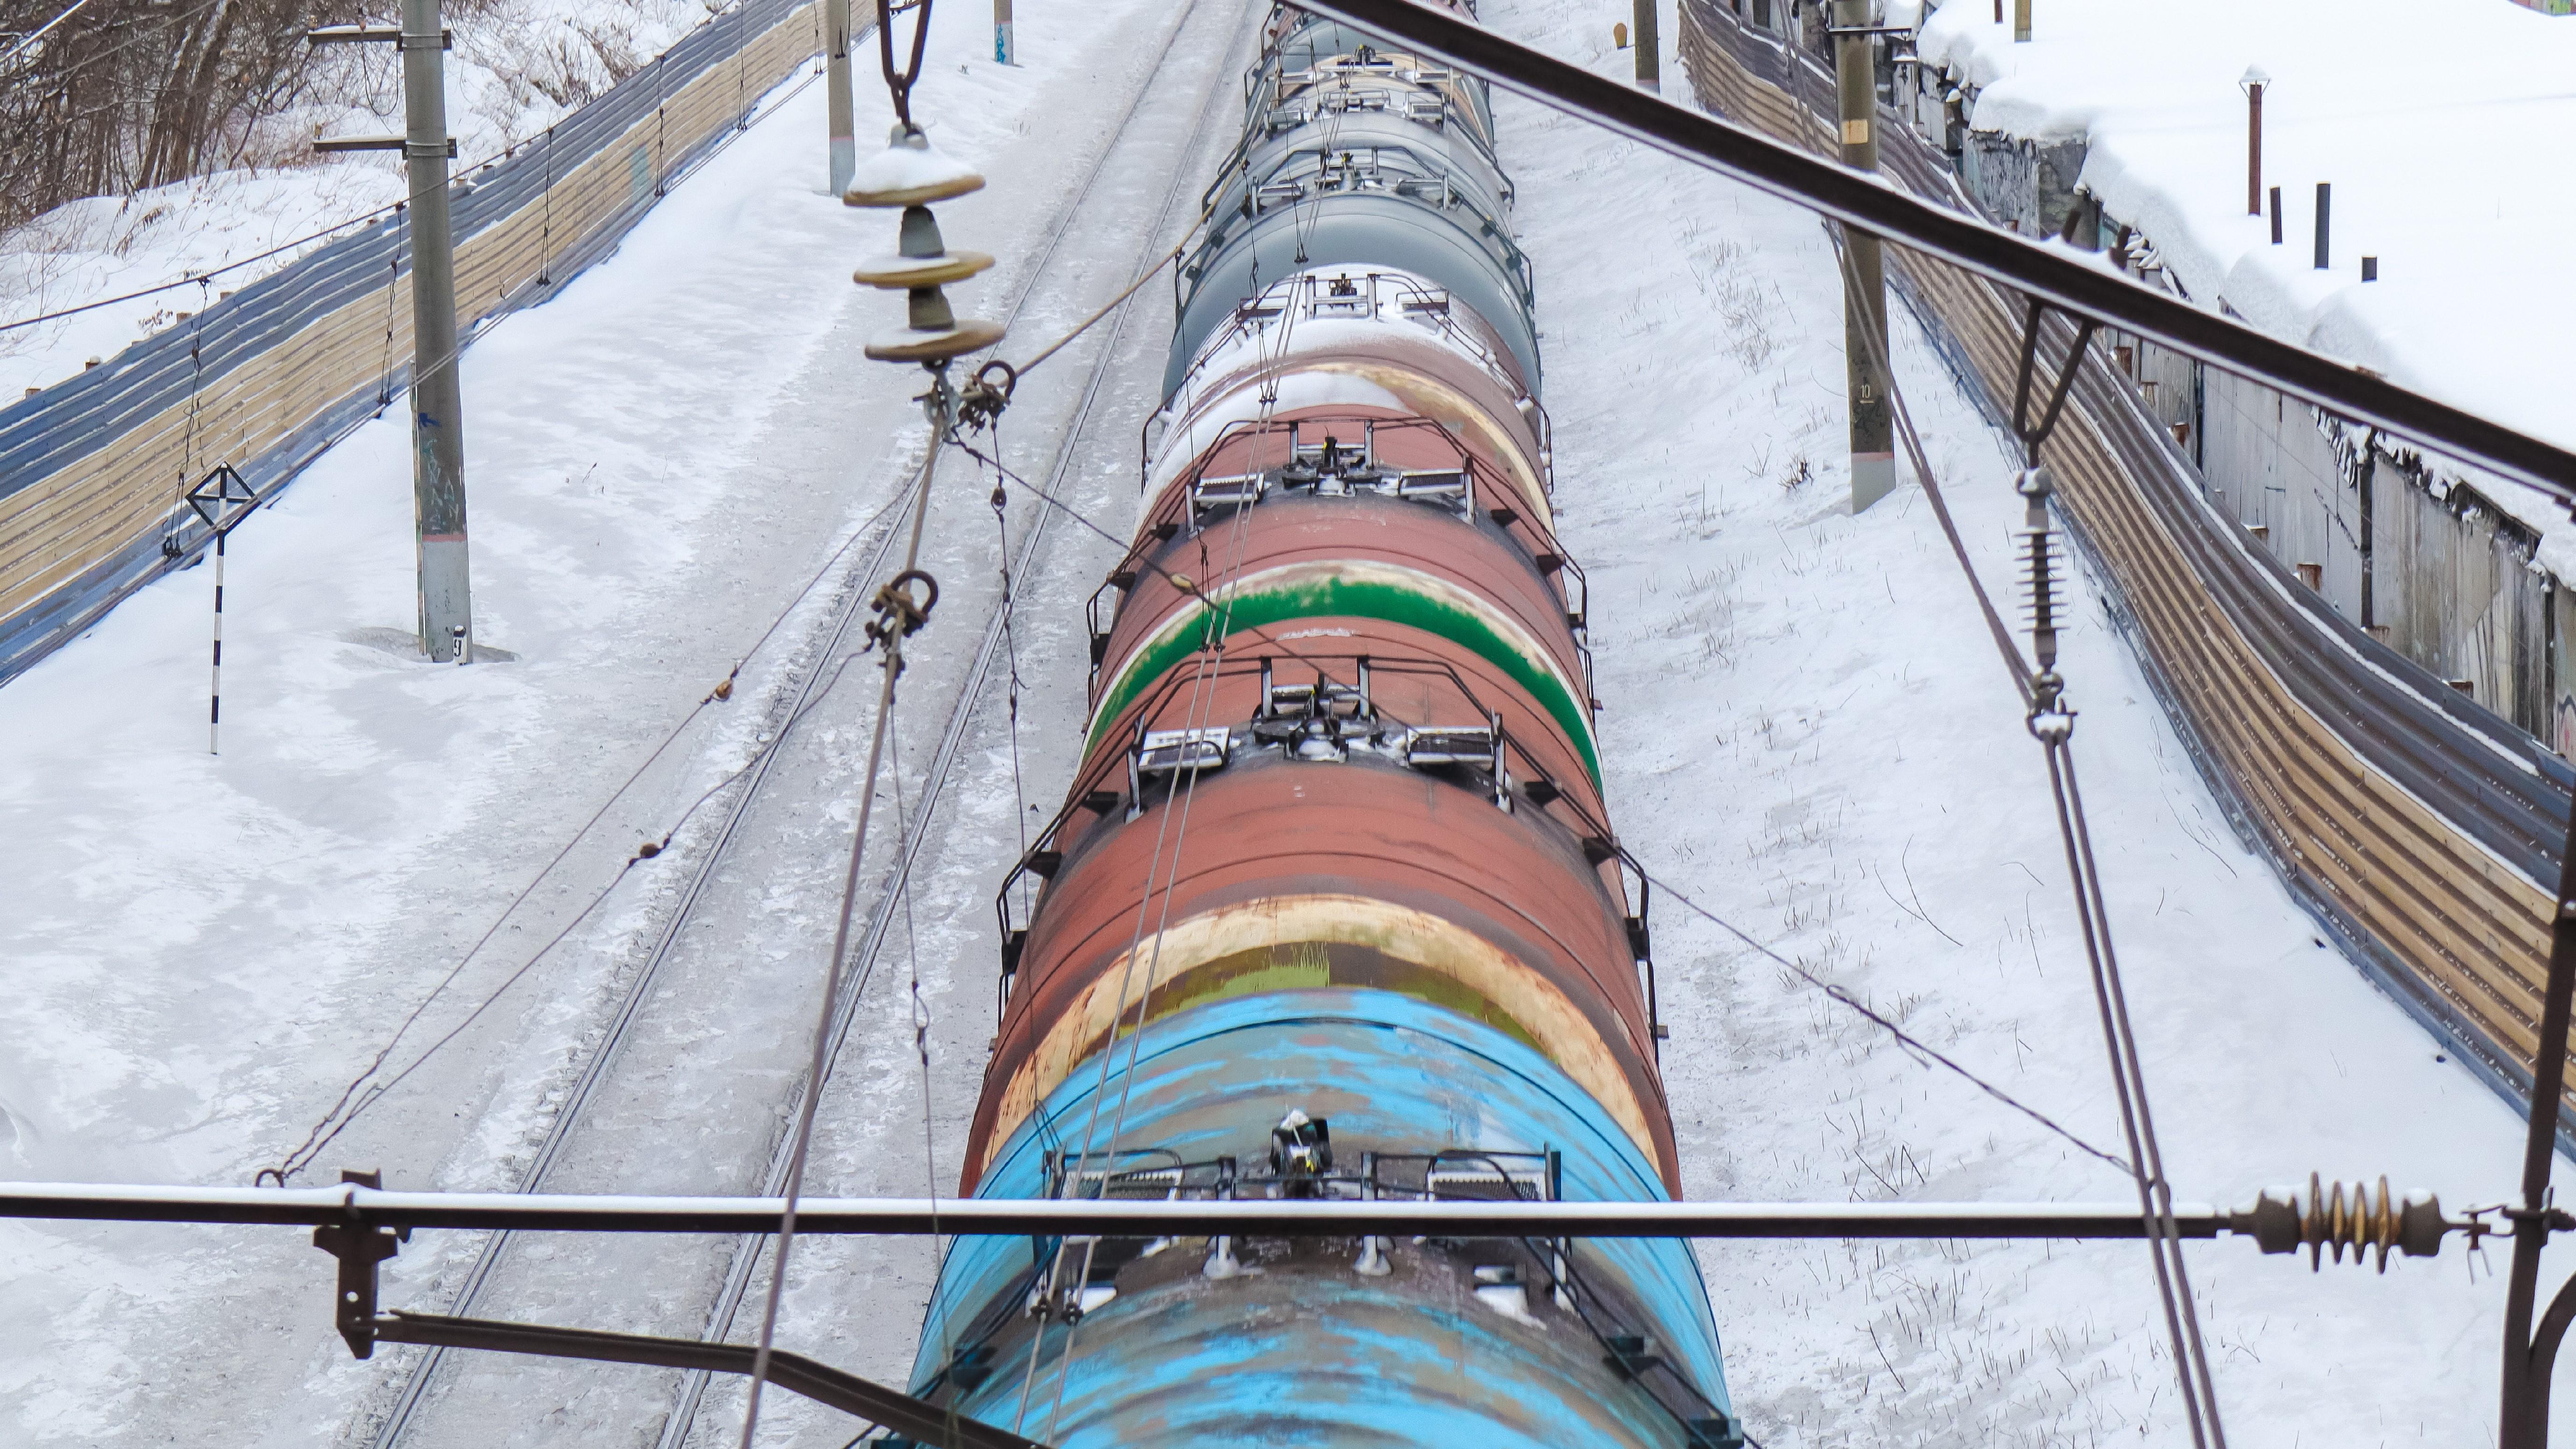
point(410, 1418)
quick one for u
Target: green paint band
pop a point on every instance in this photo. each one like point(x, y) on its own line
point(1256, 605)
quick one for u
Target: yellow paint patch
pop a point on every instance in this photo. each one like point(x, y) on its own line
point(1162, 965)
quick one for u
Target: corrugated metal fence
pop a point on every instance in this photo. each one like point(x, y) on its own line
point(91, 470)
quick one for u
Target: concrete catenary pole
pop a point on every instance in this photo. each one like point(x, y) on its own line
point(1650, 49)
point(438, 413)
point(1004, 52)
point(836, 90)
point(1873, 427)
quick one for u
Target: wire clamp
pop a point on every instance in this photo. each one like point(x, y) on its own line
point(902, 608)
point(981, 402)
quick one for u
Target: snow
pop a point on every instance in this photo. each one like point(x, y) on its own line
point(2438, 123)
point(1807, 731)
point(519, 66)
point(908, 162)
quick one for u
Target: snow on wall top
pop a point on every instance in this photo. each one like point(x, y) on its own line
point(2443, 126)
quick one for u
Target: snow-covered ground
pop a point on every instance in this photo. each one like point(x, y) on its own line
point(2439, 124)
point(1846, 775)
point(519, 66)
point(1806, 727)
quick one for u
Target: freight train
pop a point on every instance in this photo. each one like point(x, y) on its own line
point(1333, 908)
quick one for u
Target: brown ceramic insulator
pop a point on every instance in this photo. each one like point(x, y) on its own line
point(1355, 873)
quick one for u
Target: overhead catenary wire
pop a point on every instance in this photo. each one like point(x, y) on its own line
point(1922, 1050)
point(718, 1324)
point(39, 33)
point(1210, 660)
point(2052, 723)
point(900, 614)
point(2039, 691)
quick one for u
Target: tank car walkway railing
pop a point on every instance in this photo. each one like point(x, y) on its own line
point(2421, 828)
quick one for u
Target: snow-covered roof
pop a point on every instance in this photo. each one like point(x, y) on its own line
point(2442, 126)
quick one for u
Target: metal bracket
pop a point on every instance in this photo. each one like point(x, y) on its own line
point(379, 34)
point(359, 1245)
point(2031, 433)
point(422, 151)
point(916, 1419)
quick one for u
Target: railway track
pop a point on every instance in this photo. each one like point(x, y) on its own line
point(408, 1420)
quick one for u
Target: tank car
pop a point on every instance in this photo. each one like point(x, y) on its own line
point(1333, 908)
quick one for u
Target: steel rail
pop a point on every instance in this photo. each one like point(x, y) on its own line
point(2055, 275)
point(1052, 1217)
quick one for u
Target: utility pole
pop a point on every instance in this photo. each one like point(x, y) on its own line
point(1649, 48)
point(1004, 53)
point(836, 89)
point(2021, 20)
point(1873, 428)
point(438, 413)
point(2529, 1353)
point(438, 409)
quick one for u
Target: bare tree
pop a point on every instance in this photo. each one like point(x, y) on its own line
point(118, 95)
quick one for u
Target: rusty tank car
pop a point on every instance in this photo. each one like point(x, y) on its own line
point(1333, 908)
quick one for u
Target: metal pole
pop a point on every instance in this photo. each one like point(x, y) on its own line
point(2519, 1426)
point(836, 90)
point(2325, 211)
point(1649, 49)
point(1003, 51)
point(438, 413)
point(215, 695)
point(1873, 427)
point(2254, 148)
point(1121, 1217)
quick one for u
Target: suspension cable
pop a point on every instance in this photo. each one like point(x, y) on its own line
point(2051, 721)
